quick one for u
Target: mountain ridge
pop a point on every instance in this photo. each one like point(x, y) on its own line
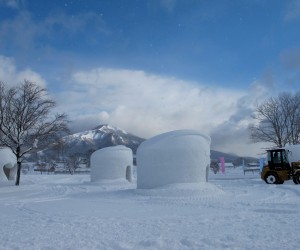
point(86, 142)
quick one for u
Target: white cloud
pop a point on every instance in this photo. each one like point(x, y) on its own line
point(24, 33)
point(290, 62)
point(73, 24)
point(14, 4)
point(13, 32)
point(10, 75)
point(148, 104)
point(293, 10)
point(168, 4)
point(152, 103)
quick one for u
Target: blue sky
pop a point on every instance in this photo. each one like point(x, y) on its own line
point(157, 65)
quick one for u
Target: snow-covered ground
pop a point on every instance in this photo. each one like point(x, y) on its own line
point(232, 211)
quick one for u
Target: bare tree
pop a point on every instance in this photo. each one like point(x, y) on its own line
point(73, 163)
point(25, 119)
point(59, 146)
point(278, 120)
point(291, 109)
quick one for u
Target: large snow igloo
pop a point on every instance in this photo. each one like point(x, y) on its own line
point(181, 156)
point(111, 163)
point(8, 165)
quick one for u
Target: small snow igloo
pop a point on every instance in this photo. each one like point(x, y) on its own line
point(112, 163)
point(181, 156)
point(8, 165)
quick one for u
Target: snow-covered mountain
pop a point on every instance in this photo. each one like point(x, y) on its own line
point(86, 142)
point(100, 137)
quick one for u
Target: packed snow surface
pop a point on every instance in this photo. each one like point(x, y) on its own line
point(181, 156)
point(231, 211)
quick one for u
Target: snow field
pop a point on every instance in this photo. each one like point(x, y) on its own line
point(233, 211)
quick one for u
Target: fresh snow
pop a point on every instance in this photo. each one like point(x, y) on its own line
point(87, 136)
point(231, 211)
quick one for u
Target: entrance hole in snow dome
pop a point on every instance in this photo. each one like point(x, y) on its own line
point(10, 171)
point(8, 165)
point(129, 173)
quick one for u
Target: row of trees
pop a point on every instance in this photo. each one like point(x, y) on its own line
point(278, 120)
point(71, 164)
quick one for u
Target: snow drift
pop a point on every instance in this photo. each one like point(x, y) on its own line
point(8, 165)
point(111, 163)
point(181, 156)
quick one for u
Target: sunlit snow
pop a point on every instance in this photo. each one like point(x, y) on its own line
point(231, 211)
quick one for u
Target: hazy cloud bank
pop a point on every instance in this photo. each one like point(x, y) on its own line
point(148, 104)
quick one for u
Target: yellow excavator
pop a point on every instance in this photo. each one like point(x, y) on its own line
point(283, 164)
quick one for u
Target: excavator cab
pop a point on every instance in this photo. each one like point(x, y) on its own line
point(278, 159)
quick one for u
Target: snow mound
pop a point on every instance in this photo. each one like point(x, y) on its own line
point(294, 152)
point(181, 156)
point(111, 163)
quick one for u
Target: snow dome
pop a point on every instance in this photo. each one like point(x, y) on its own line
point(181, 156)
point(294, 152)
point(111, 163)
point(8, 165)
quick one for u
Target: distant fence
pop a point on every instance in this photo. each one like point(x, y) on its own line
point(62, 171)
point(251, 169)
point(81, 171)
point(43, 170)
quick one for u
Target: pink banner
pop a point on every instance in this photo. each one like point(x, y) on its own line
point(222, 164)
